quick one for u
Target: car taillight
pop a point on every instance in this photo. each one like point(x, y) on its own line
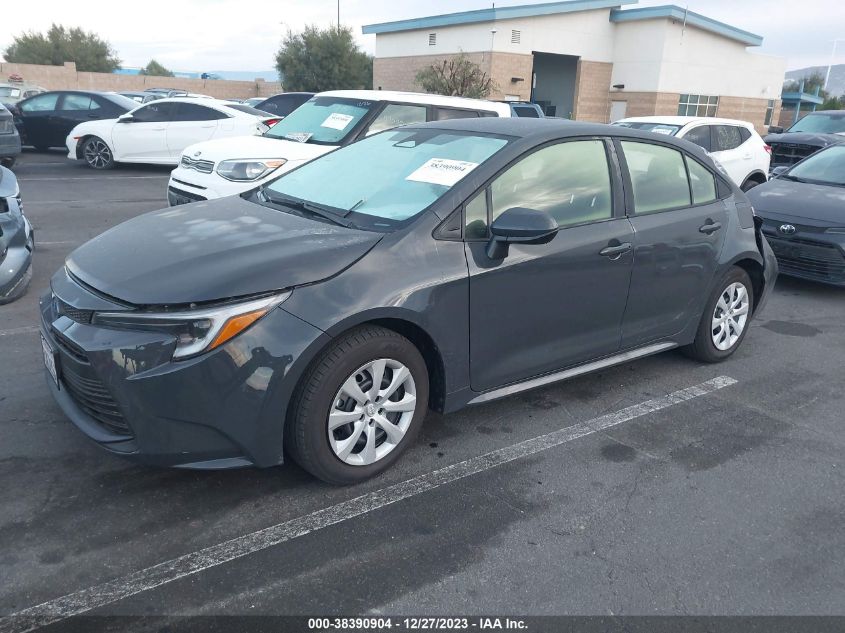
point(271, 122)
point(768, 148)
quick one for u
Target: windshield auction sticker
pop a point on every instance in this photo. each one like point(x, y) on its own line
point(442, 171)
point(337, 121)
point(299, 137)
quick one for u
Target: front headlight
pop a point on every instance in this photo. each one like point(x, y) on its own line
point(196, 331)
point(247, 170)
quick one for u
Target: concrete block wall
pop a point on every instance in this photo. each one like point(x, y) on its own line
point(68, 78)
point(592, 91)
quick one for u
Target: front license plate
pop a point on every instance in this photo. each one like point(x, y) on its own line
point(50, 360)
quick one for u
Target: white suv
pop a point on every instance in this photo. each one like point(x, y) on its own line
point(328, 120)
point(735, 145)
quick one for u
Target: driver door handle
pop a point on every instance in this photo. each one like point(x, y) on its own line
point(615, 252)
point(709, 228)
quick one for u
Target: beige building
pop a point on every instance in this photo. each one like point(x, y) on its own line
point(592, 60)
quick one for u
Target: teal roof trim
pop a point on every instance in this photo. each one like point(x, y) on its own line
point(489, 15)
point(693, 19)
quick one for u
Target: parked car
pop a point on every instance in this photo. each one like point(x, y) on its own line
point(46, 119)
point(253, 101)
point(735, 145)
point(158, 132)
point(15, 91)
point(17, 240)
point(808, 135)
point(142, 97)
point(167, 92)
point(803, 214)
point(525, 109)
point(10, 140)
point(325, 122)
point(283, 104)
point(432, 265)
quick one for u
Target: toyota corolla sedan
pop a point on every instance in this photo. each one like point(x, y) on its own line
point(433, 266)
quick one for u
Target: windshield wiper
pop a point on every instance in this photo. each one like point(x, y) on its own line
point(309, 207)
point(792, 178)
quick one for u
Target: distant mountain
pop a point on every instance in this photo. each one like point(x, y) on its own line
point(836, 84)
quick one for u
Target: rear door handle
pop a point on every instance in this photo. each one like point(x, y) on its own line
point(615, 252)
point(709, 228)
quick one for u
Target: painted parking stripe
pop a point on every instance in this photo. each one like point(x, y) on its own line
point(114, 590)
point(19, 330)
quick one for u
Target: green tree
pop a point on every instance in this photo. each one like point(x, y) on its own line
point(317, 60)
point(154, 69)
point(60, 45)
point(456, 76)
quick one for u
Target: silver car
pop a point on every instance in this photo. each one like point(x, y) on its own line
point(10, 140)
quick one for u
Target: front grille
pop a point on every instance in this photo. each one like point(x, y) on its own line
point(74, 314)
point(202, 166)
point(808, 258)
point(70, 347)
point(91, 395)
point(791, 153)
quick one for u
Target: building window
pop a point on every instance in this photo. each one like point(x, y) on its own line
point(698, 105)
point(515, 36)
point(770, 110)
point(432, 39)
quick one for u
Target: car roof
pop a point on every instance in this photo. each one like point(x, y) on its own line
point(684, 120)
point(287, 94)
point(208, 102)
point(420, 98)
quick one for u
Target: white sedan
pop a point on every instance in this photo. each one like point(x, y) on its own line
point(159, 131)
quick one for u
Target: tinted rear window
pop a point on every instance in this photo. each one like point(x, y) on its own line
point(526, 111)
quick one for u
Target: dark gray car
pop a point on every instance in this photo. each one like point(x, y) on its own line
point(437, 265)
point(17, 240)
point(809, 134)
point(10, 140)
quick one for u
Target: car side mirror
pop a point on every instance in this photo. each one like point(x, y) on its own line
point(519, 225)
point(775, 129)
point(125, 118)
point(780, 170)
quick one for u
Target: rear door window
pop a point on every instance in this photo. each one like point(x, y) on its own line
point(726, 137)
point(700, 136)
point(658, 177)
point(702, 182)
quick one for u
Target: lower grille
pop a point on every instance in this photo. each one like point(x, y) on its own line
point(791, 153)
point(178, 196)
point(70, 347)
point(94, 399)
point(805, 257)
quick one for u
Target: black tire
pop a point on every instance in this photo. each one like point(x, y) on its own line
point(306, 430)
point(749, 184)
point(97, 154)
point(703, 348)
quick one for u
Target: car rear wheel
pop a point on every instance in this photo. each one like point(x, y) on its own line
point(726, 318)
point(97, 153)
point(360, 405)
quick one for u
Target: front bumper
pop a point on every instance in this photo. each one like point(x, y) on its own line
point(809, 253)
point(122, 389)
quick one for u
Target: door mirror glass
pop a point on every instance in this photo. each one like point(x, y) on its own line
point(520, 225)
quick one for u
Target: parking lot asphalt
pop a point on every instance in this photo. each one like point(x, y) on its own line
point(729, 502)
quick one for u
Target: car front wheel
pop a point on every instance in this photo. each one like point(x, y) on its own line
point(726, 318)
point(359, 406)
point(97, 153)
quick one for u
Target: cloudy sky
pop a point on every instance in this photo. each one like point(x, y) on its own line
point(197, 35)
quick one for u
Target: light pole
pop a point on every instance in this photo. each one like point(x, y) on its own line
point(830, 64)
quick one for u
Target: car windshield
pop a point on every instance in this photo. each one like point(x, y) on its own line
point(826, 167)
point(388, 178)
point(820, 124)
point(322, 120)
point(650, 126)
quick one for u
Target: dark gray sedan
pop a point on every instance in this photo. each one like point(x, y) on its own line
point(803, 212)
point(17, 240)
point(437, 265)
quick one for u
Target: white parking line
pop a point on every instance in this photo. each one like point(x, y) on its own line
point(137, 582)
point(100, 179)
point(19, 330)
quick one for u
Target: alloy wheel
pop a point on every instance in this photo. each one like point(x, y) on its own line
point(371, 412)
point(730, 316)
point(97, 154)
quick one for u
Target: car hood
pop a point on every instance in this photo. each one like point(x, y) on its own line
point(214, 250)
point(256, 147)
point(805, 138)
point(822, 205)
